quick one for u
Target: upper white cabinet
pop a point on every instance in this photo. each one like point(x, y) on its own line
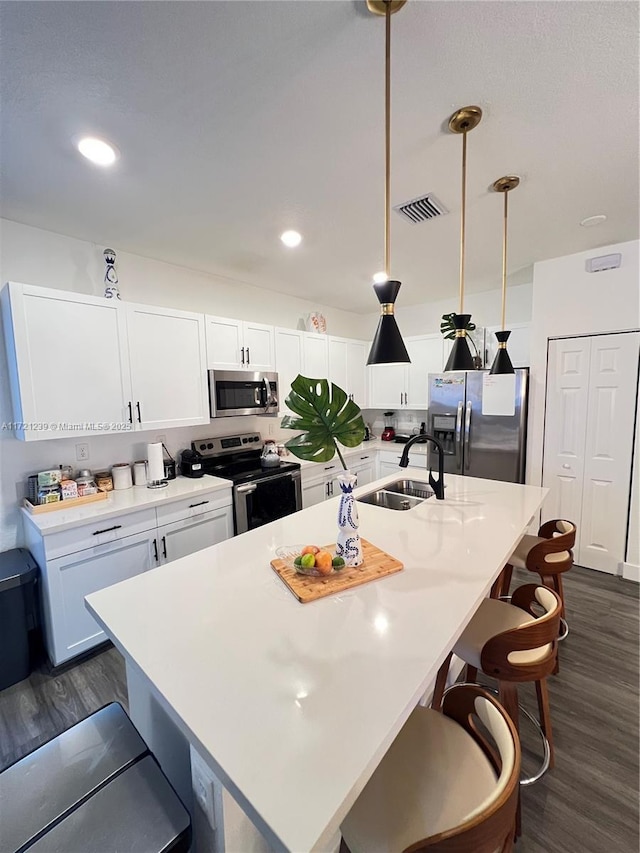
point(68, 362)
point(405, 386)
point(289, 361)
point(518, 345)
point(347, 367)
point(316, 355)
point(239, 345)
point(167, 356)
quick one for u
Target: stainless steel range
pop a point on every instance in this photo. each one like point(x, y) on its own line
point(260, 494)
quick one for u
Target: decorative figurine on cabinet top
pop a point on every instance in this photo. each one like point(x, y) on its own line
point(111, 276)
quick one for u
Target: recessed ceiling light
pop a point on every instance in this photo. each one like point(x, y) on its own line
point(380, 277)
point(291, 239)
point(590, 221)
point(98, 151)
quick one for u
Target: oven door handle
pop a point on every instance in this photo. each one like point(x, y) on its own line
point(245, 490)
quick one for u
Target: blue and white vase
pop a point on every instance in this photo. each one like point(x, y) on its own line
point(348, 545)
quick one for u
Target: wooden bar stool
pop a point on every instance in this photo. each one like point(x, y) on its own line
point(511, 643)
point(549, 555)
point(443, 787)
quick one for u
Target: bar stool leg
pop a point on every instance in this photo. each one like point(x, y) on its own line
point(441, 683)
point(471, 674)
point(508, 696)
point(542, 693)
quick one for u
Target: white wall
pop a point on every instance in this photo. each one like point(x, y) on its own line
point(569, 301)
point(33, 256)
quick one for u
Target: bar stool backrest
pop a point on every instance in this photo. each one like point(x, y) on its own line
point(554, 553)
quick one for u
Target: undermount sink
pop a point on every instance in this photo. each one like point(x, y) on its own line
point(411, 488)
point(390, 500)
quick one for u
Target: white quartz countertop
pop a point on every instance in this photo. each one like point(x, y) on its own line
point(125, 500)
point(293, 705)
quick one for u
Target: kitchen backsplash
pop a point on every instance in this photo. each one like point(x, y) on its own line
point(404, 420)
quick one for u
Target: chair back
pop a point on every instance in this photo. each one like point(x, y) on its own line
point(490, 827)
point(528, 652)
point(554, 554)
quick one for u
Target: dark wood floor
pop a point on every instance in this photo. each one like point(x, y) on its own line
point(587, 804)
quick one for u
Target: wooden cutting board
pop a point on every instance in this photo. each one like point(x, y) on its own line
point(377, 564)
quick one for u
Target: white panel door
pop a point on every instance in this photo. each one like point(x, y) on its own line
point(613, 379)
point(72, 578)
point(338, 363)
point(316, 356)
point(224, 343)
point(387, 386)
point(357, 352)
point(289, 361)
point(193, 534)
point(68, 362)
point(167, 354)
point(565, 428)
point(259, 347)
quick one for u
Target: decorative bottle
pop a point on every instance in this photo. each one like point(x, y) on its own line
point(348, 545)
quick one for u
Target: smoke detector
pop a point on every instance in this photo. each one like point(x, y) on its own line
point(421, 209)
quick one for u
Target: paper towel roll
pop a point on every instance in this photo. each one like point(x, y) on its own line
point(155, 462)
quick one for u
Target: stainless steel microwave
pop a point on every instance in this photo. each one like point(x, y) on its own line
point(242, 392)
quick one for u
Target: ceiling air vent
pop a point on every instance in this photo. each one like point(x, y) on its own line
point(421, 209)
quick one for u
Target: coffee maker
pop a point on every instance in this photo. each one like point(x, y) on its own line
point(389, 431)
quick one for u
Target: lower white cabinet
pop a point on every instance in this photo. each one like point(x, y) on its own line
point(193, 534)
point(319, 485)
point(69, 627)
point(389, 461)
point(84, 559)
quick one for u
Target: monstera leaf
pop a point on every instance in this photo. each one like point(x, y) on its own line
point(326, 416)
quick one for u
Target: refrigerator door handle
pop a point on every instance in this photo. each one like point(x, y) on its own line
point(458, 437)
point(467, 435)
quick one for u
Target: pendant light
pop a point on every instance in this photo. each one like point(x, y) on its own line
point(388, 346)
point(502, 362)
point(460, 358)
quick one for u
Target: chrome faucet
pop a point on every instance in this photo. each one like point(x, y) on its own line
point(436, 485)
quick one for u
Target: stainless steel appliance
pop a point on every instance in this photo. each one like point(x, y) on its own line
point(260, 494)
point(242, 392)
point(477, 445)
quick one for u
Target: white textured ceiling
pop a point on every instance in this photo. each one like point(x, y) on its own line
point(237, 120)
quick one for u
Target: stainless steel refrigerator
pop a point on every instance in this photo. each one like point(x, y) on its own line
point(476, 444)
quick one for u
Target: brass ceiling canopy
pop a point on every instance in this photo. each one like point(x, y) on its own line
point(379, 7)
point(465, 119)
point(503, 185)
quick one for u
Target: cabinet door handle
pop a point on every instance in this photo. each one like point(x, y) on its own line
point(155, 550)
point(242, 355)
point(248, 359)
point(364, 457)
point(200, 503)
point(130, 405)
point(138, 410)
point(107, 529)
point(164, 547)
point(329, 467)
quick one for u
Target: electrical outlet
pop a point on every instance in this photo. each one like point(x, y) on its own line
point(203, 788)
point(271, 429)
point(82, 452)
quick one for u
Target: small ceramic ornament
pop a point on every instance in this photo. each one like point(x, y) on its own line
point(111, 276)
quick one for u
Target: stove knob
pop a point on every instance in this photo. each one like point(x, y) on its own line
point(209, 446)
point(203, 447)
point(245, 440)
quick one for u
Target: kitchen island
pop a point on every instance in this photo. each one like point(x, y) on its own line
point(292, 706)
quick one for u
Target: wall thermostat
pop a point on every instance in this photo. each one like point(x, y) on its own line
point(604, 262)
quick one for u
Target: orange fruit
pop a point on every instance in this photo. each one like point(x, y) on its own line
point(324, 562)
point(310, 549)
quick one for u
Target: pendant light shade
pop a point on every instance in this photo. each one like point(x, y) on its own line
point(388, 346)
point(460, 358)
point(502, 362)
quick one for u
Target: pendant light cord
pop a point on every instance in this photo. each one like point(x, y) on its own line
point(463, 218)
point(387, 138)
point(504, 261)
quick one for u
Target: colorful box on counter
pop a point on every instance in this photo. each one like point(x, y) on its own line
point(68, 489)
point(49, 478)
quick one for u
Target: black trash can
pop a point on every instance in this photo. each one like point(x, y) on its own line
point(18, 572)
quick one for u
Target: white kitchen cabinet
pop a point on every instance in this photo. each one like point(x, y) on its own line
point(68, 362)
point(406, 386)
point(194, 533)
point(316, 355)
point(389, 460)
point(347, 367)
point(518, 345)
point(69, 579)
point(313, 493)
point(320, 483)
point(167, 356)
point(289, 362)
point(364, 467)
point(239, 345)
point(338, 362)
